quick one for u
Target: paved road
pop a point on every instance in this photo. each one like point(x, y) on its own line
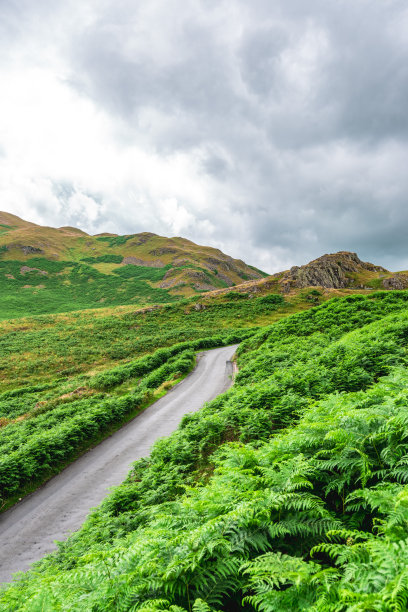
point(28, 530)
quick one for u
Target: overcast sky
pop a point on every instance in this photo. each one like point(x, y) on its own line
point(276, 130)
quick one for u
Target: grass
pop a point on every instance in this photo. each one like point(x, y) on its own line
point(39, 349)
point(92, 264)
point(67, 286)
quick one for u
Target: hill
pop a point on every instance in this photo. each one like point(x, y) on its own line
point(44, 269)
point(334, 271)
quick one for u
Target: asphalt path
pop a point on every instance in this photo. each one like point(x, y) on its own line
point(29, 529)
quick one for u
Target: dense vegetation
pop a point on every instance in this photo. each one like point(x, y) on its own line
point(47, 270)
point(46, 348)
point(39, 437)
point(286, 493)
point(40, 285)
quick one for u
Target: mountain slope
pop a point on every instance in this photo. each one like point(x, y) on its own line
point(45, 270)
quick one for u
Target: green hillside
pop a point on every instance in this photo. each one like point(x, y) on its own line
point(104, 365)
point(286, 493)
point(49, 270)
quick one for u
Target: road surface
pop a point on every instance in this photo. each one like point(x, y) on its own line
point(28, 530)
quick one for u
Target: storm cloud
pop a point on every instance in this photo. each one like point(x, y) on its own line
point(274, 131)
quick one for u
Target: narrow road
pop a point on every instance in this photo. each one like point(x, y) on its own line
point(28, 530)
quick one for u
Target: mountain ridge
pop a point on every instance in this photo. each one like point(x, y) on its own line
point(51, 270)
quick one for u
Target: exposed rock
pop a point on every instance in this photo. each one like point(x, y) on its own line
point(163, 251)
point(141, 238)
point(175, 278)
point(170, 279)
point(171, 273)
point(182, 262)
point(29, 250)
point(199, 306)
point(135, 261)
point(399, 281)
point(228, 264)
point(214, 261)
point(333, 271)
point(149, 308)
point(203, 287)
point(225, 278)
point(171, 283)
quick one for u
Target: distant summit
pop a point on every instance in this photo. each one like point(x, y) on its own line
point(332, 271)
point(333, 274)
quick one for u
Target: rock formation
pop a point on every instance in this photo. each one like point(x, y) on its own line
point(333, 271)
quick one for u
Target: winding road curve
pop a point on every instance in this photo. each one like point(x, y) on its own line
point(28, 530)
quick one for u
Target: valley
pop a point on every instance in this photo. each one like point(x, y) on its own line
point(286, 492)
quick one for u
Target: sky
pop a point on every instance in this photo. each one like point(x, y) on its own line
point(275, 130)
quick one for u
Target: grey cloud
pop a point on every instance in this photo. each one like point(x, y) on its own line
point(260, 53)
point(288, 109)
point(355, 93)
point(216, 166)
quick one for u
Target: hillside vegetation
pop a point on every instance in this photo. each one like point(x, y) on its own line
point(40, 349)
point(45, 270)
point(67, 380)
point(285, 493)
point(78, 376)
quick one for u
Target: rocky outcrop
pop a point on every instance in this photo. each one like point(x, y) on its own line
point(135, 261)
point(163, 251)
point(228, 264)
point(333, 271)
point(171, 279)
point(398, 281)
point(30, 250)
point(141, 238)
point(225, 278)
point(197, 278)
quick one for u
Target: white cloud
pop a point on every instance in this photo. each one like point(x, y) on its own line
point(274, 131)
point(175, 216)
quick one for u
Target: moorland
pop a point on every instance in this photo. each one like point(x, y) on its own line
point(285, 493)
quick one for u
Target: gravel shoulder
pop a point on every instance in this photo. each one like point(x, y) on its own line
point(29, 529)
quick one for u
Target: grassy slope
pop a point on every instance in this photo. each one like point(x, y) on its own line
point(39, 349)
point(296, 497)
point(56, 366)
point(75, 376)
point(44, 270)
